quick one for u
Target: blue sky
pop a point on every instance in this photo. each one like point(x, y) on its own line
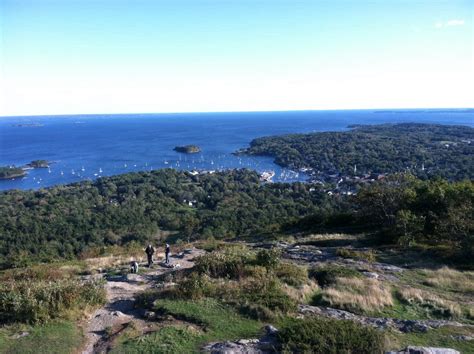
point(114, 56)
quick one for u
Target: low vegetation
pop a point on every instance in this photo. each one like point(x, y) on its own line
point(451, 280)
point(52, 338)
point(317, 335)
point(208, 320)
point(360, 295)
point(434, 305)
point(327, 274)
point(41, 294)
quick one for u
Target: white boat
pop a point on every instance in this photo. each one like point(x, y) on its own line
point(267, 176)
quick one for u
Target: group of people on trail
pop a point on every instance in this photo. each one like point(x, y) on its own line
point(150, 250)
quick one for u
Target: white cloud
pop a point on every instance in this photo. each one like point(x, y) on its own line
point(449, 23)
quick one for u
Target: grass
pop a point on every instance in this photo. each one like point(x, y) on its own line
point(442, 337)
point(368, 255)
point(40, 301)
point(217, 321)
point(451, 280)
point(57, 337)
point(360, 295)
point(327, 274)
point(431, 303)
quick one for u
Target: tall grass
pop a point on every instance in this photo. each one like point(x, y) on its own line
point(39, 301)
point(431, 302)
point(356, 294)
point(450, 279)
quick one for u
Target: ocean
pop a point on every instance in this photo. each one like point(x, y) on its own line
point(86, 147)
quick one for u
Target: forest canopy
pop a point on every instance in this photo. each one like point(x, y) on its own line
point(425, 150)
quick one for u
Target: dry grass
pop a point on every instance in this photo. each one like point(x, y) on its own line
point(430, 300)
point(326, 237)
point(447, 278)
point(359, 294)
point(301, 293)
point(100, 263)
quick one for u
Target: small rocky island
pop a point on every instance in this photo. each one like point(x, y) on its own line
point(7, 172)
point(188, 149)
point(10, 172)
point(38, 164)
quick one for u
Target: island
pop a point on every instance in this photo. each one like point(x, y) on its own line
point(7, 172)
point(10, 172)
point(188, 149)
point(38, 164)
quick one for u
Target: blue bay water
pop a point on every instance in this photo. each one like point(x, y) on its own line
point(90, 146)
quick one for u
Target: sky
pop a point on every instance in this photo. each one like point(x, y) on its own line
point(152, 56)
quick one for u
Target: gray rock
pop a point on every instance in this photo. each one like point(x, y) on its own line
point(463, 338)
point(270, 330)
point(371, 275)
point(149, 315)
point(405, 326)
point(20, 335)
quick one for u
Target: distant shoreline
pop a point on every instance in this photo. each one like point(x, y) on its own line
point(372, 110)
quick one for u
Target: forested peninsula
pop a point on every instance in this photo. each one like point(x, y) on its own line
point(425, 150)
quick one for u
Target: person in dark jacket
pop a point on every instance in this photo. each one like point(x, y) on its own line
point(149, 250)
point(167, 254)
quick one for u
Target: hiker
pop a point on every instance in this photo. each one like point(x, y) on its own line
point(167, 254)
point(149, 254)
point(134, 267)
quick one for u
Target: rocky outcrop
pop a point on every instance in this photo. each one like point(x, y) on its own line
point(382, 323)
point(263, 345)
point(188, 149)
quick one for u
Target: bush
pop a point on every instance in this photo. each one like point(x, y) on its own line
point(327, 275)
point(267, 292)
point(368, 256)
point(292, 274)
point(268, 258)
point(317, 335)
point(196, 286)
point(227, 263)
point(41, 301)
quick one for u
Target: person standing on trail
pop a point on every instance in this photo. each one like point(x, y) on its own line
point(167, 254)
point(149, 250)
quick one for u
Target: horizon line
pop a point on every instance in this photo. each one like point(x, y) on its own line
point(243, 111)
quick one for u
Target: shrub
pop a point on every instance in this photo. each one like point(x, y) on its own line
point(368, 256)
point(267, 292)
point(291, 274)
point(227, 263)
point(196, 286)
point(327, 274)
point(317, 335)
point(41, 301)
point(356, 294)
point(268, 258)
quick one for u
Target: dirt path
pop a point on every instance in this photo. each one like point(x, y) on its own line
point(119, 309)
